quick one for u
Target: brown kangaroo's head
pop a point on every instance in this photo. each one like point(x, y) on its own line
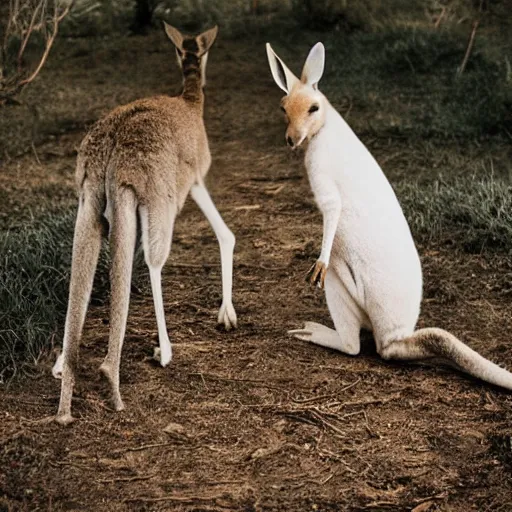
point(192, 51)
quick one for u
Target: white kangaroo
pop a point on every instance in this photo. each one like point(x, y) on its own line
point(368, 262)
point(136, 166)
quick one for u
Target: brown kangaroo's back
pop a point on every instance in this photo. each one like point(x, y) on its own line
point(137, 145)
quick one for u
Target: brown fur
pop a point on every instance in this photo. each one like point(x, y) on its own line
point(141, 145)
point(141, 160)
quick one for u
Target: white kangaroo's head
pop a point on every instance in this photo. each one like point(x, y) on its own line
point(304, 105)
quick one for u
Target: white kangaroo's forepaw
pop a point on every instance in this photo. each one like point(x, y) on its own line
point(311, 332)
point(163, 354)
point(57, 367)
point(227, 316)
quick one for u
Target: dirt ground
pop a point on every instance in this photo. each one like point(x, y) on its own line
point(249, 420)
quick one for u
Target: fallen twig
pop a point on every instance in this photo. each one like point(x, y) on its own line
point(311, 399)
point(350, 385)
point(275, 191)
point(371, 402)
point(440, 496)
point(127, 479)
point(380, 504)
point(323, 482)
point(218, 500)
point(59, 464)
point(327, 453)
point(144, 447)
point(247, 207)
point(328, 424)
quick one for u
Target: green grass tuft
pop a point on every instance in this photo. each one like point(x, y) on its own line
point(34, 277)
point(474, 214)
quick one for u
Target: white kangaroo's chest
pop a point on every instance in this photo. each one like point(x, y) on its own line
point(372, 236)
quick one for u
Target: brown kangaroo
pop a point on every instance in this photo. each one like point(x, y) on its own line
point(137, 165)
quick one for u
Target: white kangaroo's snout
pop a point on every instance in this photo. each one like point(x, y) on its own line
point(294, 140)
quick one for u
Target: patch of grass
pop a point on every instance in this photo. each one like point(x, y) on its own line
point(406, 79)
point(474, 214)
point(34, 281)
point(34, 277)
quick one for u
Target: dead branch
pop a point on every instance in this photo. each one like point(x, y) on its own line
point(255, 382)
point(25, 20)
point(469, 48)
point(146, 447)
point(441, 16)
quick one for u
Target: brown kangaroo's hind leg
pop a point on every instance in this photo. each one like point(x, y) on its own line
point(438, 343)
point(123, 235)
point(86, 249)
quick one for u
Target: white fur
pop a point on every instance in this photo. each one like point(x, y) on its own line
point(226, 239)
point(285, 82)
point(314, 66)
point(374, 277)
point(363, 218)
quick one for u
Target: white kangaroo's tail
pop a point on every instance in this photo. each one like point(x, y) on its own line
point(433, 343)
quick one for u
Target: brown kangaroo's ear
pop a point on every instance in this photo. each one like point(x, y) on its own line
point(174, 35)
point(206, 39)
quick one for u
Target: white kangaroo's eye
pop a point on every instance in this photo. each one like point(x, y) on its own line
point(313, 108)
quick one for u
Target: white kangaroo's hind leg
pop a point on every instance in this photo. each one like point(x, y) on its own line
point(123, 234)
point(227, 314)
point(344, 313)
point(157, 226)
point(86, 249)
point(318, 334)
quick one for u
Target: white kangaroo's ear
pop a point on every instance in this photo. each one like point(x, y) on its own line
point(314, 66)
point(283, 77)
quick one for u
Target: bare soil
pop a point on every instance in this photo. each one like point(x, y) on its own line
point(249, 420)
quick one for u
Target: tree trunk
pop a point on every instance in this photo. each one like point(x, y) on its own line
point(143, 16)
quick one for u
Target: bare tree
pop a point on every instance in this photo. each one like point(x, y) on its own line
point(28, 22)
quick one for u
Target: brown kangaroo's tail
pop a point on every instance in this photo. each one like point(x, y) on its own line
point(433, 342)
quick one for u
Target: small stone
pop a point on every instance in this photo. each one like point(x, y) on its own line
point(175, 429)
